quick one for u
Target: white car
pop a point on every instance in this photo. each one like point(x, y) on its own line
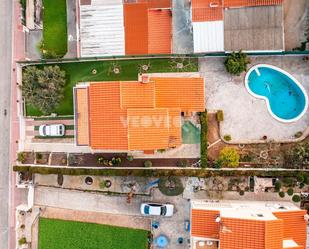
point(157, 209)
point(52, 130)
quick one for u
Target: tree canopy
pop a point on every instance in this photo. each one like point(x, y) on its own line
point(229, 157)
point(43, 88)
point(236, 62)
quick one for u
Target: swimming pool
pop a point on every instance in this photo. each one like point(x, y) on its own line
point(286, 98)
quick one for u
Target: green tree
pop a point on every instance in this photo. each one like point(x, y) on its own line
point(229, 157)
point(299, 155)
point(43, 88)
point(236, 62)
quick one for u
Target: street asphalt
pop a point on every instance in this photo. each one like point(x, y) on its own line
point(5, 94)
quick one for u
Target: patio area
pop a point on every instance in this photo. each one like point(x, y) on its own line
point(246, 119)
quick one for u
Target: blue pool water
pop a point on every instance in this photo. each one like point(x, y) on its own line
point(287, 100)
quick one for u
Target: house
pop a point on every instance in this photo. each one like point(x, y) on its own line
point(251, 225)
point(142, 115)
point(116, 27)
point(230, 25)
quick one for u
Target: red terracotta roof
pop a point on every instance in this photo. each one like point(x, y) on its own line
point(107, 120)
point(204, 224)
point(236, 233)
point(212, 10)
point(250, 3)
point(294, 226)
point(159, 31)
point(202, 10)
point(184, 93)
point(144, 26)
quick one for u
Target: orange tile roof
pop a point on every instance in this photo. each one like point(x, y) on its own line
point(238, 233)
point(294, 226)
point(137, 95)
point(159, 31)
point(174, 127)
point(249, 3)
point(184, 93)
point(115, 107)
point(201, 11)
point(107, 120)
point(148, 129)
point(82, 124)
point(204, 224)
point(145, 26)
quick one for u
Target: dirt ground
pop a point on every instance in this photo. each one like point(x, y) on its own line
point(295, 22)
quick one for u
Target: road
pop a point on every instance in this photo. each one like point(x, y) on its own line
point(5, 97)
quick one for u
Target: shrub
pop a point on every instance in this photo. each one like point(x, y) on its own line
point(161, 150)
point(299, 155)
point(281, 194)
point(147, 164)
point(220, 115)
point(105, 184)
point(296, 198)
point(289, 182)
point(227, 138)
point(130, 158)
point(170, 186)
point(38, 156)
point(43, 88)
point(236, 62)
point(100, 160)
point(306, 179)
point(22, 241)
point(115, 161)
point(229, 157)
point(204, 141)
point(290, 191)
point(278, 185)
point(218, 164)
point(241, 192)
point(21, 157)
point(300, 178)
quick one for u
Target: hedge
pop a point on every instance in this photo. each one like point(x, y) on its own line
point(148, 172)
point(204, 141)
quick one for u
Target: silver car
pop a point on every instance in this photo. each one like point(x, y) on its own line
point(52, 130)
point(157, 209)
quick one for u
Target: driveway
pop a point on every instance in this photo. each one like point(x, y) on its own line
point(5, 89)
point(246, 117)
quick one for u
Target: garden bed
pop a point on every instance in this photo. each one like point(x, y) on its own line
point(58, 159)
point(42, 158)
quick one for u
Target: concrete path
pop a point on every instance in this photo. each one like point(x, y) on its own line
point(5, 90)
point(71, 24)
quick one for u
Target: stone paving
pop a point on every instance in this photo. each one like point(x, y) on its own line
point(246, 118)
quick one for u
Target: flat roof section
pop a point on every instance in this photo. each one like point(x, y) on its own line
point(254, 28)
point(81, 116)
point(102, 29)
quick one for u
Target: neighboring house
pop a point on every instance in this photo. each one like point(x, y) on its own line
point(140, 115)
point(250, 225)
point(111, 27)
point(229, 25)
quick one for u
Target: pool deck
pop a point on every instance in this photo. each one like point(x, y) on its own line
point(246, 118)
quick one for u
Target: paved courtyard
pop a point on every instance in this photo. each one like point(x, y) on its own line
point(245, 117)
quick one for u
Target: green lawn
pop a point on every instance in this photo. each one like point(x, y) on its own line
point(82, 72)
point(56, 234)
point(55, 36)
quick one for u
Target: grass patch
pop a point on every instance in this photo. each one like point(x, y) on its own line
point(67, 127)
point(204, 140)
point(82, 72)
point(55, 26)
point(55, 234)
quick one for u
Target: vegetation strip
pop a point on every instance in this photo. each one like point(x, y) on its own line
point(66, 136)
point(157, 172)
point(54, 118)
point(55, 234)
point(67, 127)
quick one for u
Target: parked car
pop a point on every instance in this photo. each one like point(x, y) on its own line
point(52, 130)
point(157, 209)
